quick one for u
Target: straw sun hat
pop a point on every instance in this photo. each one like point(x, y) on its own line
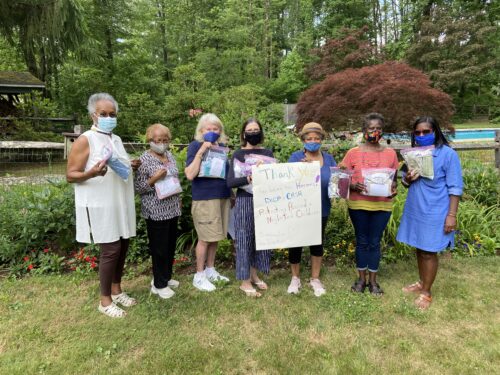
point(311, 127)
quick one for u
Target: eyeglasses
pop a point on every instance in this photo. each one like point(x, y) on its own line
point(422, 132)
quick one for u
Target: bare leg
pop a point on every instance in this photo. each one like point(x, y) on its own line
point(362, 275)
point(315, 266)
point(211, 250)
point(372, 277)
point(295, 269)
point(428, 271)
point(201, 255)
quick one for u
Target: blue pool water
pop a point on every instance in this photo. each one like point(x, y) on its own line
point(460, 135)
point(464, 134)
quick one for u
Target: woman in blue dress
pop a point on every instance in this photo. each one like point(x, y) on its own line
point(430, 214)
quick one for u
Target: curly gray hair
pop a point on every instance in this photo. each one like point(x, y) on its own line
point(94, 98)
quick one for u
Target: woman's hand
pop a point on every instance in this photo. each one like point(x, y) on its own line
point(204, 147)
point(394, 190)
point(135, 164)
point(160, 173)
point(358, 186)
point(249, 179)
point(450, 223)
point(411, 176)
point(98, 169)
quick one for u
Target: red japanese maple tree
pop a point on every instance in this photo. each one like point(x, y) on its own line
point(396, 90)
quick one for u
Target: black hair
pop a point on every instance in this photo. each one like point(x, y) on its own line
point(439, 140)
point(242, 133)
point(371, 117)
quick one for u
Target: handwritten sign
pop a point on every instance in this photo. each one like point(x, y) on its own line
point(287, 205)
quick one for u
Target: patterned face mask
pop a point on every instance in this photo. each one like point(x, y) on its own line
point(374, 136)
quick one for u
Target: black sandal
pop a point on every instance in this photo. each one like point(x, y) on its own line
point(375, 289)
point(358, 286)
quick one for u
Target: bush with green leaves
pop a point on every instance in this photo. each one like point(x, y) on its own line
point(35, 217)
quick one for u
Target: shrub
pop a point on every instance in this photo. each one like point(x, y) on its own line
point(35, 217)
point(394, 89)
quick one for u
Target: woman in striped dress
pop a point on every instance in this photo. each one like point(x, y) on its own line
point(248, 260)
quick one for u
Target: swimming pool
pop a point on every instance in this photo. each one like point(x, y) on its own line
point(473, 134)
point(461, 135)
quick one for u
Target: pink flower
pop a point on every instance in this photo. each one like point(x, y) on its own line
point(30, 267)
point(26, 258)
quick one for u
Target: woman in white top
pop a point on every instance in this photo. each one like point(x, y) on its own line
point(104, 198)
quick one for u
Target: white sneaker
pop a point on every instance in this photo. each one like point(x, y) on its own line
point(216, 276)
point(163, 292)
point(171, 283)
point(202, 283)
point(294, 286)
point(318, 287)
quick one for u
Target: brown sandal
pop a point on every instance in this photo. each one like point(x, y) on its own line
point(423, 301)
point(413, 288)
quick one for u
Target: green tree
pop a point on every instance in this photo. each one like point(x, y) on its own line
point(43, 31)
point(291, 79)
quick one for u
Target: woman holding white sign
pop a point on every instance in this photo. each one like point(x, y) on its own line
point(248, 260)
point(370, 204)
point(312, 135)
point(206, 167)
point(157, 182)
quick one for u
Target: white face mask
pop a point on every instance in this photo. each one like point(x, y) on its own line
point(158, 148)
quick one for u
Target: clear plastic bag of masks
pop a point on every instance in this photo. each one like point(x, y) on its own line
point(420, 160)
point(378, 181)
point(213, 163)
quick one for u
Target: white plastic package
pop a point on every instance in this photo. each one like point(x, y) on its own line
point(378, 181)
point(170, 184)
point(340, 181)
point(420, 160)
point(213, 163)
point(244, 169)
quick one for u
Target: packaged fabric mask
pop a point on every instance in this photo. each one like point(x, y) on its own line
point(118, 164)
point(420, 160)
point(378, 181)
point(170, 184)
point(213, 163)
point(340, 181)
point(244, 169)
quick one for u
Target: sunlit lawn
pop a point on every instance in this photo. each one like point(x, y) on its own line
point(51, 325)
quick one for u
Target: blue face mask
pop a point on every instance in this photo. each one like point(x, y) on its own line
point(106, 124)
point(425, 140)
point(312, 146)
point(211, 136)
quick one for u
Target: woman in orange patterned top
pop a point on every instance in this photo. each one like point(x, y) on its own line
point(370, 213)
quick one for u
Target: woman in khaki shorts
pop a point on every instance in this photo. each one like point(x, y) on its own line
point(210, 207)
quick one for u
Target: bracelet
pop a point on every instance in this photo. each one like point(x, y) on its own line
point(453, 215)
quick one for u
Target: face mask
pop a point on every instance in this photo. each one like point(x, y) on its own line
point(106, 124)
point(158, 148)
point(253, 138)
point(211, 136)
point(425, 140)
point(374, 136)
point(312, 146)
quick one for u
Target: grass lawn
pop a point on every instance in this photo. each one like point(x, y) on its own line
point(51, 325)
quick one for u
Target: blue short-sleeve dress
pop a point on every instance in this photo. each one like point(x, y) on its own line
point(427, 204)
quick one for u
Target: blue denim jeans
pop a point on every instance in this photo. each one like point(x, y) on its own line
point(368, 227)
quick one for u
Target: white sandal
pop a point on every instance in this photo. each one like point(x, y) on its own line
point(112, 310)
point(124, 299)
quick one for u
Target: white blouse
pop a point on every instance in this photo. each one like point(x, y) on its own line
point(105, 208)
